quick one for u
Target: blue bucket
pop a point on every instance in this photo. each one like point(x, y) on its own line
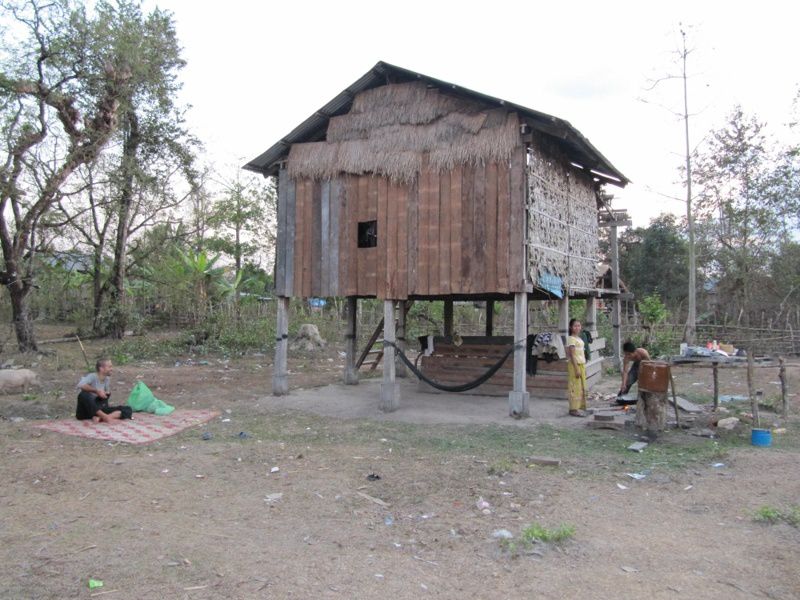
point(761, 437)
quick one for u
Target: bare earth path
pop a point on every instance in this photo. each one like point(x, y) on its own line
point(193, 518)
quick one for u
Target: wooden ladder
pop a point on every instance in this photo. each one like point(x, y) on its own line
point(375, 355)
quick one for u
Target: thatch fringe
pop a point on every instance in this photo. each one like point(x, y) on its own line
point(390, 128)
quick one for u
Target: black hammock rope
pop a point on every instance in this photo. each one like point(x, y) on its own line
point(453, 388)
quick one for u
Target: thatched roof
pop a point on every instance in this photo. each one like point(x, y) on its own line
point(361, 126)
point(390, 129)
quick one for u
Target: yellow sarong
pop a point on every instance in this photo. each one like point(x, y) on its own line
point(576, 387)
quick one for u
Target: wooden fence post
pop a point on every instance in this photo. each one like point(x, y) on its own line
point(784, 399)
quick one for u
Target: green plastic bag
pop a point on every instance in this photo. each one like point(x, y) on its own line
point(141, 399)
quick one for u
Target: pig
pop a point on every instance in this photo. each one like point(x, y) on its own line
point(17, 379)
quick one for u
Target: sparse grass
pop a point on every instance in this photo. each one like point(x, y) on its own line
point(767, 514)
point(792, 517)
point(500, 467)
point(537, 533)
point(142, 347)
point(771, 515)
point(586, 453)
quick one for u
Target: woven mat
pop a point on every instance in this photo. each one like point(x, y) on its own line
point(143, 429)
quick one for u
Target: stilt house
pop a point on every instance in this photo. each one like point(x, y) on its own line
point(408, 188)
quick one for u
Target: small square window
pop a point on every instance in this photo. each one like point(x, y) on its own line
point(368, 234)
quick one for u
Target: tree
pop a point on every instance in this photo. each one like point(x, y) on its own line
point(749, 203)
point(60, 90)
point(154, 143)
point(243, 221)
point(653, 260)
point(691, 312)
point(244, 224)
point(784, 271)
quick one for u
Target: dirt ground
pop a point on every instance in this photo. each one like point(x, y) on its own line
point(192, 518)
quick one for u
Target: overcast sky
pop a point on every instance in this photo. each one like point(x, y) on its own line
point(257, 69)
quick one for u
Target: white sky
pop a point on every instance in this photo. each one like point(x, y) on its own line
point(257, 69)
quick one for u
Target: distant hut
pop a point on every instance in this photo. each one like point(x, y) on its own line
point(408, 188)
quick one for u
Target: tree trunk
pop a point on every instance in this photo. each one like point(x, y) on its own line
point(98, 289)
point(119, 319)
point(23, 325)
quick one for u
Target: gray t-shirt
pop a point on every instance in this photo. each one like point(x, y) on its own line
point(93, 380)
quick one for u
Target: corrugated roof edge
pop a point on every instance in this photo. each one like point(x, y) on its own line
point(578, 146)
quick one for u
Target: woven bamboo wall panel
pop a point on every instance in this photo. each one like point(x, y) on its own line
point(562, 219)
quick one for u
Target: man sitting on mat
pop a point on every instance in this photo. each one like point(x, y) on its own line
point(633, 357)
point(94, 393)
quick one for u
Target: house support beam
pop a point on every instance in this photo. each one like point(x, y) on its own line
point(563, 318)
point(390, 389)
point(399, 365)
point(616, 333)
point(280, 373)
point(350, 341)
point(590, 318)
point(489, 318)
point(448, 318)
point(518, 398)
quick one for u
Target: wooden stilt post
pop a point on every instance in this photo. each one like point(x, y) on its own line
point(280, 372)
point(399, 365)
point(616, 333)
point(518, 398)
point(489, 318)
point(563, 319)
point(590, 320)
point(674, 399)
point(448, 318)
point(390, 390)
point(351, 339)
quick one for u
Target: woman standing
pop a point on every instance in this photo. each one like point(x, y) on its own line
point(576, 370)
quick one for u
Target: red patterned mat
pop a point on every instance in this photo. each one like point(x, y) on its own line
point(144, 427)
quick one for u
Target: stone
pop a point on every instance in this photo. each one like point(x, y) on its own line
point(308, 338)
point(728, 423)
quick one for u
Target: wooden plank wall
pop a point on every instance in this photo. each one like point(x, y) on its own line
point(456, 232)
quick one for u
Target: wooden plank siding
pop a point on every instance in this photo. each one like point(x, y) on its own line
point(455, 228)
point(317, 233)
point(298, 239)
point(420, 285)
point(443, 235)
point(325, 239)
point(518, 220)
point(478, 247)
point(335, 211)
point(491, 227)
point(308, 235)
point(352, 236)
point(457, 232)
point(280, 241)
